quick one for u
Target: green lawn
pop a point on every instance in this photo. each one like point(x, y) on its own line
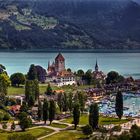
point(42, 87)
point(58, 125)
point(37, 132)
point(102, 120)
point(66, 135)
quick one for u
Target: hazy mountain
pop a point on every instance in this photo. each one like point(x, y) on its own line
point(70, 24)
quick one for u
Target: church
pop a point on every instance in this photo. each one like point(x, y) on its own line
point(58, 74)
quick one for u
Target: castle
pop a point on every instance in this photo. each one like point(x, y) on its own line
point(58, 74)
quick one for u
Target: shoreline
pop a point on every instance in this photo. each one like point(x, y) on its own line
point(70, 51)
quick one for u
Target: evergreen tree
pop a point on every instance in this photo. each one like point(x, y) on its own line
point(40, 111)
point(24, 107)
point(52, 111)
point(70, 101)
point(94, 116)
point(65, 102)
point(60, 100)
point(82, 100)
point(119, 105)
point(49, 90)
point(45, 110)
point(76, 115)
point(36, 87)
point(32, 73)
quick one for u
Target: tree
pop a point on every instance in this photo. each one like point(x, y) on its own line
point(17, 79)
point(88, 77)
point(45, 110)
point(52, 111)
point(119, 105)
point(24, 121)
point(94, 116)
point(4, 83)
point(36, 89)
point(76, 115)
point(82, 99)
point(40, 111)
point(24, 107)
point(41, 74)
point(114, 77)
point(65, 102)
point(80, 73)
point(32, 73)
point(70, 101)
point(31, 91)
point(87, 130)
point(49, 90)
point(13, 126)
point(69, 70)
point(60, 100)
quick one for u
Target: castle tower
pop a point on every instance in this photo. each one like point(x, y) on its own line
point(59, 63)
point(96, 66)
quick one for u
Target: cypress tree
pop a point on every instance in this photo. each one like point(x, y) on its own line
point(52, 111)
point(94, 116)
point(119, 105)
point(70, 101)
point(45, 110)
point(59, 100)
point(40, 111)
point(76, 115)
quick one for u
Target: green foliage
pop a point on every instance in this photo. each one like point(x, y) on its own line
point(31, 91)
point(49, 90)
point(80, 73)
point(21, 137)
point(52, 111)
point(114, 77)
point(40, 111)
point(116, 128)
point(4, 83)
point(4, 126)
point(24, 107)
point(17, 79)
point(45, 110)
point(6, 117)
point(94, 116)
point(87, 130)
point(32, 74)
point(60, 100)
point(24, 120)
point(76, 115)
point(119, 104)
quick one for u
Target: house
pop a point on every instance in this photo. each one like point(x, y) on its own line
point(58, 74)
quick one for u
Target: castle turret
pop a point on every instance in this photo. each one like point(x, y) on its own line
point(59, 63)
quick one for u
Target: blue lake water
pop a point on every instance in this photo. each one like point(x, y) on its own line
point(124, 63)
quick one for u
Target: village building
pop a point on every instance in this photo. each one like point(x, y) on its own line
point(98, 75)
point(58, 74)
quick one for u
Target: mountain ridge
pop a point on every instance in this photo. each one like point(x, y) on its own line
point(80, 24)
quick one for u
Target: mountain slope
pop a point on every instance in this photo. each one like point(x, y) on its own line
point(70, 24)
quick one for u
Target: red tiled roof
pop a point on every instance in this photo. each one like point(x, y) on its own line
point(60, 57)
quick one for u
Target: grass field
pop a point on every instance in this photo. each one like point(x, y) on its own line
point(66, 135)
point(58, 125)
point(102, 120)
point(42, 88)
point(37, 132)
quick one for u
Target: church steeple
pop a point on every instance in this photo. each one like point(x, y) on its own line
point(96, 66)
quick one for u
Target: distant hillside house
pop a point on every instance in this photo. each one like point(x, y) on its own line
point(58, 74)
point(98, 75)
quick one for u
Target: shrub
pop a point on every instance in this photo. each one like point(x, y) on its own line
point(6, 117)
point(87, 130)
point(4, 126)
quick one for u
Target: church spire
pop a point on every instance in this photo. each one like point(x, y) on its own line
point(96, 66)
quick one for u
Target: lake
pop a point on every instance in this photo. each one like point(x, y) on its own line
point(125, 63)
